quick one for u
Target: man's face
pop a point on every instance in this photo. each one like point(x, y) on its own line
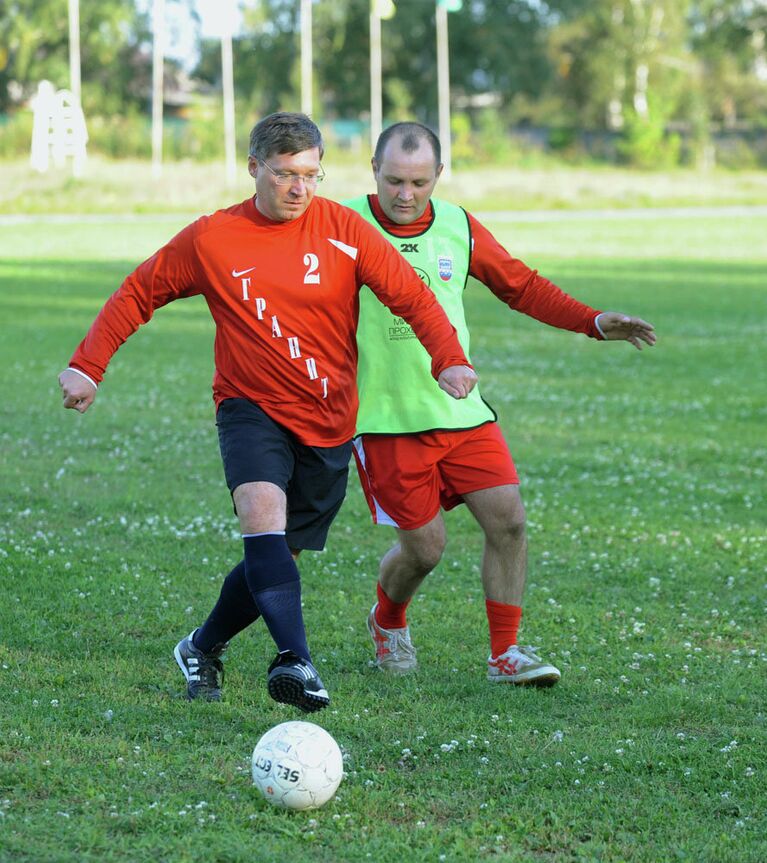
point(405, 181)
point(284, 192)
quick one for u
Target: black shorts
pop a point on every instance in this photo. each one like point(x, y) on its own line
point(257, 449)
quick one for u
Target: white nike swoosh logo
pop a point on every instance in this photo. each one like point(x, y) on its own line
point(237, 273)
point(347, 250)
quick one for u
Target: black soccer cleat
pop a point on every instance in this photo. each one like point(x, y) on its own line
point(293, 680)
point(204, 672)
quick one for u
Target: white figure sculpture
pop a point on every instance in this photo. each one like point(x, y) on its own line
point(58, 130)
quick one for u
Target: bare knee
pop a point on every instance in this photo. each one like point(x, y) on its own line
point(425, 557)
point(517, 523)
point(508, 527)
point(423, 549)
point(261, 506)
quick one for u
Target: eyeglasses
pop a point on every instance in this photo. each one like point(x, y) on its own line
point(287, 178)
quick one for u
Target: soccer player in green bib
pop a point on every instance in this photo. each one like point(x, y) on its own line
point(417, 450)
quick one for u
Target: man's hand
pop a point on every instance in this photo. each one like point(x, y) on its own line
point(617, 326)
point(78, 392)
point(457, 381)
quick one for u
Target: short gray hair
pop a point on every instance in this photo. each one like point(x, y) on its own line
point(284, 132)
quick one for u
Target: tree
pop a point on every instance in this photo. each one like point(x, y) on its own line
point(730, 39)
point(495, 45)
point(620, 58)
point(35, 36)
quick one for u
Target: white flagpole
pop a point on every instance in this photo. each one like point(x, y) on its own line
point(306, 56)
point(376, 89)
point(443, 89)
point(74, 49)
point(227, 71)
point(158, 59)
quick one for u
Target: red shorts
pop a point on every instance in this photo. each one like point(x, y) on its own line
point(406, 478)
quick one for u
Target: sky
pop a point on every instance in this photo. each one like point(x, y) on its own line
point(181, 28)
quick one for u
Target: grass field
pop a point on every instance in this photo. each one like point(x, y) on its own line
point(644, 480)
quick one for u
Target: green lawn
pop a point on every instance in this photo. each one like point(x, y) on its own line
point(643, 475)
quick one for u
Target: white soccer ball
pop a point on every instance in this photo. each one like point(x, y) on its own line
point(297, 765)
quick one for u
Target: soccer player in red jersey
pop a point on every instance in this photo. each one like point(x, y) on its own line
point(418, 452)
point(281, 274)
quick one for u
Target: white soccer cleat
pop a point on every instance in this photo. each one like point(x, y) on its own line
point(523, 667)
point(394, 649)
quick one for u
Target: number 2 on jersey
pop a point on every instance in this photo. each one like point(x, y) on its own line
point(311, 277)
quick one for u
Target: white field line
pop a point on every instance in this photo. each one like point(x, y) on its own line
point(647, 213)
point(612, 214)
point(93, 218)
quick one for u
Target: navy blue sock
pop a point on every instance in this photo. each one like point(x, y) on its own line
point(275, 585)
point(235, 610)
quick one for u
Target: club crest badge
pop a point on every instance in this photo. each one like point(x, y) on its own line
point(445, 266)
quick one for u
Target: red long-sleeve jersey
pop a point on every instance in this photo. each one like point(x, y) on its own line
point(284, 298)
point(512, 281)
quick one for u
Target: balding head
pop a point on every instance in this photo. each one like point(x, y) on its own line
point(410, 137)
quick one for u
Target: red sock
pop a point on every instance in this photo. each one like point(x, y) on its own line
point(389, 614)
point(504, 622)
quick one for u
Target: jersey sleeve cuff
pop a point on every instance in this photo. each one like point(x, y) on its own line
point(599, 329)
point(436, 370)
point(83, 375)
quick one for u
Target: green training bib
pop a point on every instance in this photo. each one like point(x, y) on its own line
point(397, 393)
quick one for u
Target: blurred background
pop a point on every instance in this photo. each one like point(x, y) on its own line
point(674, 86)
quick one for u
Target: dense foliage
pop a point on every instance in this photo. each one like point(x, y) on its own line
point(641, 72)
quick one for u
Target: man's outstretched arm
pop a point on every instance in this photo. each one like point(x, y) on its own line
point(166, 276)
point(526, 291)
